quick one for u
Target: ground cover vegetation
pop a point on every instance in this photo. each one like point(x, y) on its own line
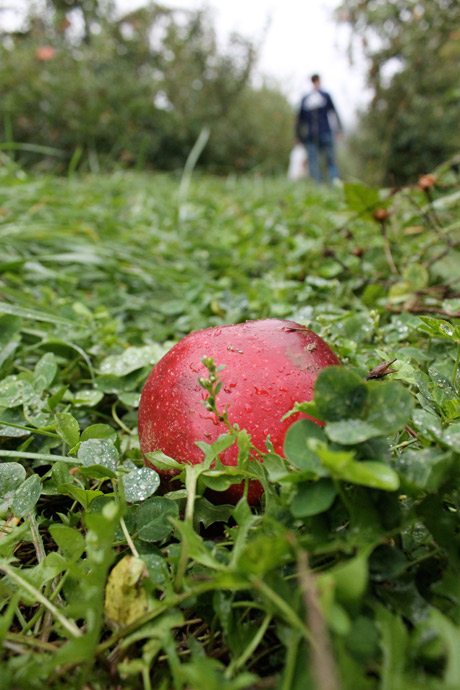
point(347, 575)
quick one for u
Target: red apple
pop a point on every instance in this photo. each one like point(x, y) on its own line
point(269, 365)
point(45, 53)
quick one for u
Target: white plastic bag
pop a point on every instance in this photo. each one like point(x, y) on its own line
point(298, 167)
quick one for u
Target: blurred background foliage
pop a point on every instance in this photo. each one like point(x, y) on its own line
point(412, 123)
point(83, 86)
point(136, 90)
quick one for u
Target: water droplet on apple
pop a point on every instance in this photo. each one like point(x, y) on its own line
point(260, 391)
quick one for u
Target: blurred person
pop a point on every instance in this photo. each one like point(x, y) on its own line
point(314, 130)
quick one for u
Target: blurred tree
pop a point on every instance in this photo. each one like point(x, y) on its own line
point(90, 11)
point(413, 49)
point(262, 143)
point(136, 89)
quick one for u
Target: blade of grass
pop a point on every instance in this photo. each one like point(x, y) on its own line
point(71, 628)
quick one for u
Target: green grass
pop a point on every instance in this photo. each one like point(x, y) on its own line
point(348, 574)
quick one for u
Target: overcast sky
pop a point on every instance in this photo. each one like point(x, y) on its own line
point(298, 38)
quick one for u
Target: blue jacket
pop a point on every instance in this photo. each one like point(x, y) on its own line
point(313, 116)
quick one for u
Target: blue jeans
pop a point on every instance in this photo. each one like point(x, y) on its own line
point(315, 148)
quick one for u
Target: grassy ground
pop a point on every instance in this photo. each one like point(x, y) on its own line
point(347, 574)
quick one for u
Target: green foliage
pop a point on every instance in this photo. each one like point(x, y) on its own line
point(135, 91)
point(411, 125)
point(348, 572)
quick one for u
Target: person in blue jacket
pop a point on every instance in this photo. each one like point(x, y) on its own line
point(313, 129)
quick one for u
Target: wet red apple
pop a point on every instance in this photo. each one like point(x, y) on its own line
point(269, 365)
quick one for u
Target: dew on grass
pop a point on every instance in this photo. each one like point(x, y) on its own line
point(12, 475)
point(140, 484)
point(26, 496)
point(447, 329)
point(131, 359)
point(98, 451)
point(451, 436)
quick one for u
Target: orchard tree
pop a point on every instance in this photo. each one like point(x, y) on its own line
point(135, 89)
point(413, 51)
point(91, 11)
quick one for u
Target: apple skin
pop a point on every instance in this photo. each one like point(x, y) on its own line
point(269, 365)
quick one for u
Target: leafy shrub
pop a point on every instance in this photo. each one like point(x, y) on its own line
point(137, 91)
point(411, 123)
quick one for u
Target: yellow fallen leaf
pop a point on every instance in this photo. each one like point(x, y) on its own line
point(125, 598)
